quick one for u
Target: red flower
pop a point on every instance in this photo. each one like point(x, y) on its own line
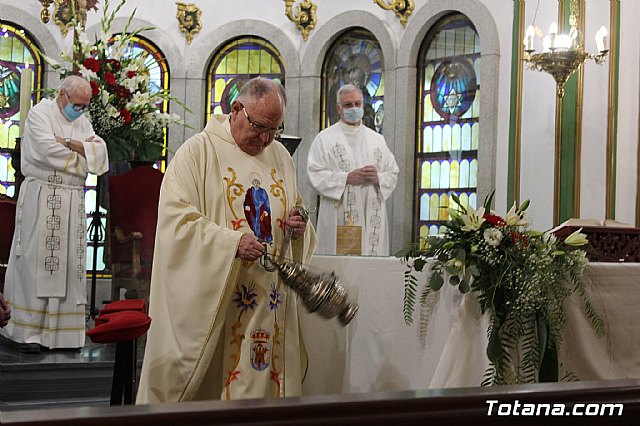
point(126, 116)
point(113, 64)
point(519, 239)
point(494, 219)
point(131, 74)
point(122, 92)
point(95, 88)
point(91, 64)
point(110, 78)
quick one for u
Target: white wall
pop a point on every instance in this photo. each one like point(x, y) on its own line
point(493, 19)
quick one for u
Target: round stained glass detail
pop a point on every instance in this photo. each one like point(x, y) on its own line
point(453, 88)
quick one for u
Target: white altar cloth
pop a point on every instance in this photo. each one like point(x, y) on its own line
point(379, 352)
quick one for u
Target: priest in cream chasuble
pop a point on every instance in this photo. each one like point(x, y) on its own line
point(224, 327)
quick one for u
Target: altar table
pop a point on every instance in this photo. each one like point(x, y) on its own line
point(379, 352)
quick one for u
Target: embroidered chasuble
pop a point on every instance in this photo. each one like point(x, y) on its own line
point(223, 328)
point(335, 152)
point(46, 277)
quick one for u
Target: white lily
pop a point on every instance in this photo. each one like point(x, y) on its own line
point(88, 74)
point(473, 219)
point(104, 98)
point(515, 217)
point(113, 111)
point(576, 239)
point(51, 61)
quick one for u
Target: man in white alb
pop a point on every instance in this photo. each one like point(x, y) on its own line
point(354, 171)
point(46, 277)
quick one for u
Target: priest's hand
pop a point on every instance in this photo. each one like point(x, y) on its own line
point(250, 248)
point(5, 311)
point(72, 144)
point(295, 224)
point(363, 176)
point(371, 174)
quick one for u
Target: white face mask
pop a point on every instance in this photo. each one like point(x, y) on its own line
point(353, 115)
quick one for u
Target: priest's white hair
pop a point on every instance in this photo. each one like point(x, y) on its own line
point(73, 83)
point(258, 87)
point(347, 88)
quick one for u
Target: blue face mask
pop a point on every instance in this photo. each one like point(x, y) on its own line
point(353, 115)
point(70, 113)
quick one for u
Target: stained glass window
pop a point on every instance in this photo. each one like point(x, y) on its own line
point(356, 58)
point(17, 49)
point(449, 121)
point(158, 68)
point(235, 63)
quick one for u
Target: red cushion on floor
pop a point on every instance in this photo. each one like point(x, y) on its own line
point(119, 327)
point(123, 305)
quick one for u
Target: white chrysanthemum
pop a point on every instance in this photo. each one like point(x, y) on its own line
point(493, 236)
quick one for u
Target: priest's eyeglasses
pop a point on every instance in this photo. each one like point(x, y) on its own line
point(76, 107)
point(273, 131)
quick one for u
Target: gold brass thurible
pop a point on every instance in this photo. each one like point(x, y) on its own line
point(305, 20)
point(402, 8)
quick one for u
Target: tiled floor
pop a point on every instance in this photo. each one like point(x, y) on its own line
point(55, 378)
point(90, 353)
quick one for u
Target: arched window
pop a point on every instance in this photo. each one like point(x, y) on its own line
point(158, 68)
point(355, 57)
point(448, 121)
point(17, 49)
point(236, 62)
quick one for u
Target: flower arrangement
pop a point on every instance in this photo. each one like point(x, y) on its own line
point(124, 106)
point(521, 278)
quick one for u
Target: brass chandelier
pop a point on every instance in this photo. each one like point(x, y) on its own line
point(563, 54)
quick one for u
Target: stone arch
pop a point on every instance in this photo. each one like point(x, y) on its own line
point(42, 35)
point(311, 72)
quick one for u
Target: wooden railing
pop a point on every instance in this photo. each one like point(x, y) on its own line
point(430, 407)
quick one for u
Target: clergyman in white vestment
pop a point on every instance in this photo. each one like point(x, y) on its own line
point(223, 327)
point(46, 277)
point(354, 172)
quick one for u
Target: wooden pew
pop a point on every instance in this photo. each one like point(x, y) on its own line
point(437, 406)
